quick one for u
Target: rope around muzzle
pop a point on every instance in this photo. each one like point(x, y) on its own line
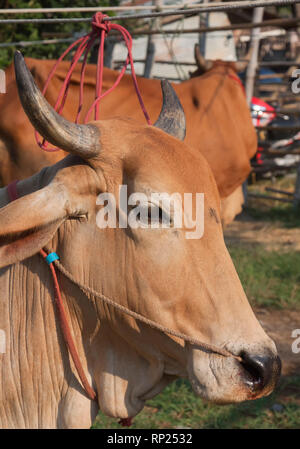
point(194, 341)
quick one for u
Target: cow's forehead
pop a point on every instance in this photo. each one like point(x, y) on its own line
point(170, 165)
point(147, 157)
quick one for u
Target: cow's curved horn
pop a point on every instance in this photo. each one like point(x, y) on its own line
point(202, 64)
point(82, 140)
point(240, 66)
point(171, 118)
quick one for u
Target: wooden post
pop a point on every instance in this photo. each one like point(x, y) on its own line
point(252, 66)
point(296, 201)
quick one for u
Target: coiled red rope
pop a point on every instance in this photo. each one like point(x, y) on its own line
point(100, 29)
point(125, 422)
point(84, 45)
point(13, 195)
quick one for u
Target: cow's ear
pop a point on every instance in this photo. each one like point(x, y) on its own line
point(29, 223)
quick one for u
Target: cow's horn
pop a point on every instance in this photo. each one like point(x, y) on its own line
point(171, 118)
point(83, 140)
point(201, 62)
point(240, 66)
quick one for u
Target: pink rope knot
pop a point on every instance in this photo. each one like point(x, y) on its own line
point(99, 24)
point(84, 45)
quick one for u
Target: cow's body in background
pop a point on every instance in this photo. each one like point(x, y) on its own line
point(217, 115)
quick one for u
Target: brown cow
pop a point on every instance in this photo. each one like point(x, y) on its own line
point(189, 285)
point(218, 120)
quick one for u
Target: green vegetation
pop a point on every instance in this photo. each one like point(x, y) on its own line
point(284, 213)
point(263, 209)
point(269, 278)
point(33, 31)
point(178, 407)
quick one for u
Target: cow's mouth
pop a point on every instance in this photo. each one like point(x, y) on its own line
point(260, 373)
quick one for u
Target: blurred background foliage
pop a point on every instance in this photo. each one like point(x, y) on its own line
point(34, 31)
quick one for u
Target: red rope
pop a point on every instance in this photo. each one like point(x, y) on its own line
point(125, 422)
point(13, 195)
point(236, 78)
point(67, 332)
point(84, 44)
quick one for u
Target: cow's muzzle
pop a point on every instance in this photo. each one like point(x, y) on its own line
point(260, 372)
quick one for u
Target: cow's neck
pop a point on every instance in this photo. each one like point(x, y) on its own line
point(31, 367)
point(39, 387)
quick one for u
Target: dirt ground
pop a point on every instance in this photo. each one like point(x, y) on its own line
point(272, 235)
point(277, 323)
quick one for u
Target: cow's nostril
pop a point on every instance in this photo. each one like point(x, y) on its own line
point(260, 371)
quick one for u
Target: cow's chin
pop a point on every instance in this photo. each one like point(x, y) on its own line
point(213, 377)
point(126, 399)
point(221, 380)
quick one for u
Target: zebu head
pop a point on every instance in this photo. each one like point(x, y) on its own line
point(189, 285)
point(204, 65)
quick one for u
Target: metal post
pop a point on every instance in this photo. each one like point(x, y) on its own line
point(151, 43)
point(108, 53)
point(296, 12)
point(149, 58)
point(203, 23)
point(245, 192)
point(254, 42)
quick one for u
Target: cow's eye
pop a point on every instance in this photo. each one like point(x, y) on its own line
point(148, 215)
point(154, 216)
point(157, 214)
point(80, 216)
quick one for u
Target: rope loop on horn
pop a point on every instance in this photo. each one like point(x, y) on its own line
point(84, 44)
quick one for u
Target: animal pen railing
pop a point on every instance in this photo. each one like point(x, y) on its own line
point(152, 21)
